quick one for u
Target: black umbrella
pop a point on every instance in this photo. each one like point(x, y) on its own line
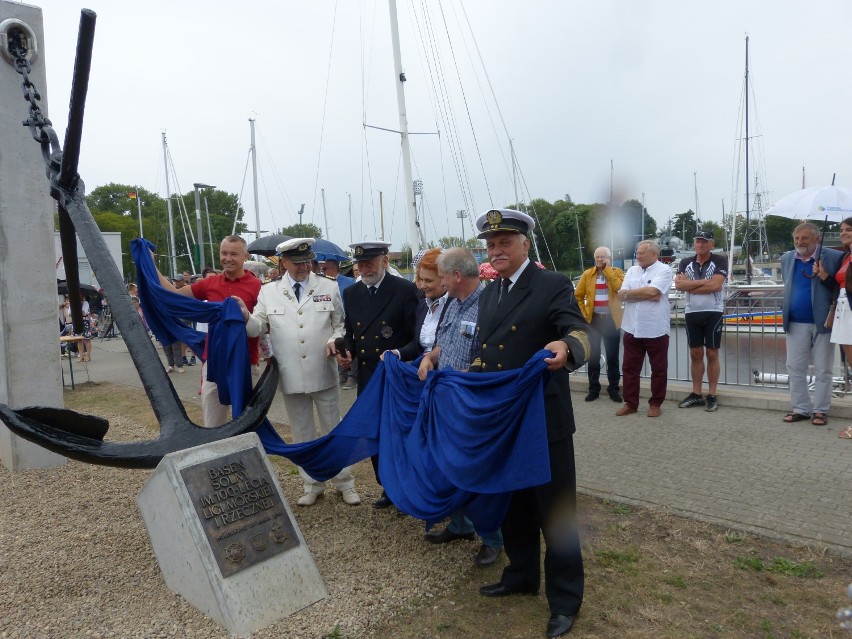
point(85, 289)
point(267, 245)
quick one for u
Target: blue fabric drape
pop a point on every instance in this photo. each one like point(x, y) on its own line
point(226, 330)
point(457, 440)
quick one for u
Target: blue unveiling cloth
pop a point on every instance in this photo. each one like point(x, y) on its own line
point(457, 440)
point(226, 332)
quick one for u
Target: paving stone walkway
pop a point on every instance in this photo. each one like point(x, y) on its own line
point(741, 467)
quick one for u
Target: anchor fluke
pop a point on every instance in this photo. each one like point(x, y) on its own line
point(78, 436)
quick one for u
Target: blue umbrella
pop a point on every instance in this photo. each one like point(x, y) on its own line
point(326, 250)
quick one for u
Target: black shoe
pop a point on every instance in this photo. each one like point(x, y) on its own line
point(501, 590)
point(693, 399)
point(592, 396)
point(446, 536)
point(616, 397)
point(383, 501)
point(559, 625)
point(711, 404)
point(486, 556)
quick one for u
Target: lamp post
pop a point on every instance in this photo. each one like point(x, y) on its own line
point(198, 186)
point(462, 214)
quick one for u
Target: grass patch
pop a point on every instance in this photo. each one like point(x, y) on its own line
point(618, 558)
point(616, 508)
point(780, 566)
point(677, 582)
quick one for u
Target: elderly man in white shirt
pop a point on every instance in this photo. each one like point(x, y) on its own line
point(646, 325)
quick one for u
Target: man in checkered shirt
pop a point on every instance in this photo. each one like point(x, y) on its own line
point(456, 347)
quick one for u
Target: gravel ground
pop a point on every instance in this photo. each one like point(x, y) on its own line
point(76, 560)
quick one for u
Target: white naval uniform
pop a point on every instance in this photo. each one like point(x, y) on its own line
point(299, 332)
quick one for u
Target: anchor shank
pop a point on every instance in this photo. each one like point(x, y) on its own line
point(72, 268)
point(164, 400)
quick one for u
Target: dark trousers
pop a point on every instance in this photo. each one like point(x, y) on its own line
point(604, 329)
point(635, 349)
point(549, 509)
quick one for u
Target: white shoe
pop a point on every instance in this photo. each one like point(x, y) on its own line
point(350, 496)
point(180, 369)
point(170, 369)
point(308, 499)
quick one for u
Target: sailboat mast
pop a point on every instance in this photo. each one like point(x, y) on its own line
point(172, 250)
point(411, 205)
point(254, 181)
point(324, 213)
point(747, 235)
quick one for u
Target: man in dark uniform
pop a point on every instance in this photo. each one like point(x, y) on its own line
point(380, 313)
point(528, 309)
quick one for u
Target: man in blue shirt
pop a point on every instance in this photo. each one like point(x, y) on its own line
point(808, 292)
point(456, 347)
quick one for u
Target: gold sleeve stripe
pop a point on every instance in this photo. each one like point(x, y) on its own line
point(583, 338)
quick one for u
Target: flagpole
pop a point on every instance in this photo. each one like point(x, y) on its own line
point(139, 205)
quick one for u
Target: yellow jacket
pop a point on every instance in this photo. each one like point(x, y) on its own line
point(585, 292)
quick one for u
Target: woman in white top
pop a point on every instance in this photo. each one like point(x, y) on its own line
point(429, 310)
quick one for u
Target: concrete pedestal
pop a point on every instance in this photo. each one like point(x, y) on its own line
point(225, 537)
point(29, 321)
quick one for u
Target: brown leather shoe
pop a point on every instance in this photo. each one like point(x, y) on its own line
point(627, 409)
point(654, 411)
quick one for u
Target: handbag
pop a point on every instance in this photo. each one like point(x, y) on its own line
point(829, 319)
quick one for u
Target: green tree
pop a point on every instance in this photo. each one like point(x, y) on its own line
point(779, 233)
point(302, 230)
point(115, 210)
point(684, 225)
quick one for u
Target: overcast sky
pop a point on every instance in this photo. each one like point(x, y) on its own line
point(654, 87)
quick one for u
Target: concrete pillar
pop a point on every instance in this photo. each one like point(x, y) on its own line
point(29, 329)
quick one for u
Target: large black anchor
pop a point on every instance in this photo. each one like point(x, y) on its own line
point(64, 431)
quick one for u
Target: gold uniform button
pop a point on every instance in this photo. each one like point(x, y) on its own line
point(304, 356)
point(484, 346)
point(301, 341)
point(301, 326)
point(484, 366)
point(300, 312)
point(357, 323)
point(362, 351)
point(362, 337)
point(514, 328)
point(500, 347)
point(499, 367)
point(377, 350)
point(383, 322)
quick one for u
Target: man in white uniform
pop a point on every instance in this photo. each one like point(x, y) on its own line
point(304, 315)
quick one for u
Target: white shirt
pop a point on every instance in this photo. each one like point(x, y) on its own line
point(647, 319)
point(430, 322)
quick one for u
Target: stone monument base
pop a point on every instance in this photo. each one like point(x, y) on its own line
point(17, 454)
point(225, 537)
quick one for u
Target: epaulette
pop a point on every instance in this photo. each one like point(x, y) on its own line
point(269, 281)
point(328, 277)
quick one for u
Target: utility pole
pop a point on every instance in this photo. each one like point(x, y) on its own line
point(462, 215)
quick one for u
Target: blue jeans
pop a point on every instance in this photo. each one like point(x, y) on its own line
point(461, 525)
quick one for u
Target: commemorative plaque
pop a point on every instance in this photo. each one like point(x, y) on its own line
point(225, 536)
point(240, 511)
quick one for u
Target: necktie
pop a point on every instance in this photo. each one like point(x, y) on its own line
point(297, 289)
point(504, 289)
point(372, 290)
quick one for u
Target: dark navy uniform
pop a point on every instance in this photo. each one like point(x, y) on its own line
point(538, 309)
point(378, 324)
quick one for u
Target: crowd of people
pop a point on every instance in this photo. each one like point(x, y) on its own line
point(322, 327)
point(815, 311)
point(327, 329)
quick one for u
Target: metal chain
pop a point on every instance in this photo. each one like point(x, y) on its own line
point(40, 127)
